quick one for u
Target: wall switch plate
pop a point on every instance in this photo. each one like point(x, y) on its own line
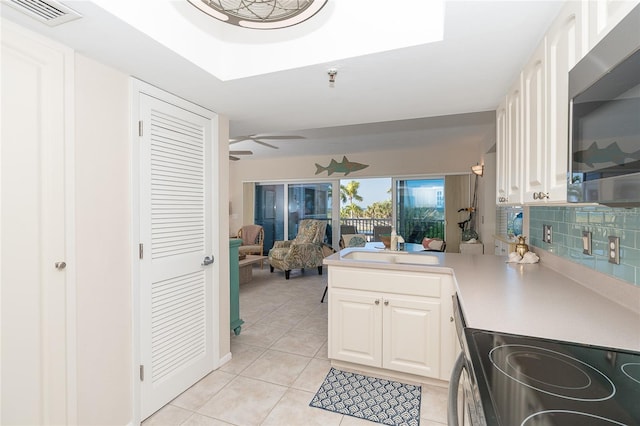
point(614, 250)
point(586, 242)
point(547, 234)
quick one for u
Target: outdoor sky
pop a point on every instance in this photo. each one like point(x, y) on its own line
point(371, 190)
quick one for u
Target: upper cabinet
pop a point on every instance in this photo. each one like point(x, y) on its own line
point(509, 147)
point(603, 15)
point(566, 45)
point(532, 123)
point(514, 140)
point(534, 127)
point(502, 153)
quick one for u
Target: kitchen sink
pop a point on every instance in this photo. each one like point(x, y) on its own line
point(392, 257)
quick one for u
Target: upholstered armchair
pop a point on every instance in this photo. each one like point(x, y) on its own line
point(252, 237)
point(304, 251)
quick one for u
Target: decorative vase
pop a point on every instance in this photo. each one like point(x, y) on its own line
point(522, 247)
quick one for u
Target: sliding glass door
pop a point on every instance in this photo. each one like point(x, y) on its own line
point(302, 201)
point(420, 209)
point(269, 212)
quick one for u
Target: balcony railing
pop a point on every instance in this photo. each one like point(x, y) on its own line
point(412, 230)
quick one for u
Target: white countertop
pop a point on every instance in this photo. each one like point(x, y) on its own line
point(531, 300)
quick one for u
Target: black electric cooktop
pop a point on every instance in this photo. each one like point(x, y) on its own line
point(526, 381)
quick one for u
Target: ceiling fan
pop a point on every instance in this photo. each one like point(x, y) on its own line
point(232, 154)
point(259, 139)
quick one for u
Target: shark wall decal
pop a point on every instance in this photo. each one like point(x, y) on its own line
point(609, 154)
point(345, 166)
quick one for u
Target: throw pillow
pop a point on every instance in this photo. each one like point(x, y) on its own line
point(354, 240)
point(432, 244)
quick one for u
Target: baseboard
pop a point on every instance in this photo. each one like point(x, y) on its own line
point(382, 373)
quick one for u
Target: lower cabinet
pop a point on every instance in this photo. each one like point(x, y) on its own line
point(395, 332)
point(391, 320)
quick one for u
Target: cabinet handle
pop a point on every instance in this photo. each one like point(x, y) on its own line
point(377, 302)
point(386, 303)
point(540, 195)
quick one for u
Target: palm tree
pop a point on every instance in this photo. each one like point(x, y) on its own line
point(349, 192)
point(379, 210)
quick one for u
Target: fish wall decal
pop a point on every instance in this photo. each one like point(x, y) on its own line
point(610, 154)
point(345, 166)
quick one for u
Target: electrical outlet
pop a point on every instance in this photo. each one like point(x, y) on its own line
point(614, 250)
point(547, 234)
point(586, 242)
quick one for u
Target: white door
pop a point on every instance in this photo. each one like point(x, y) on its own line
point(176, 283)
point(36, 295)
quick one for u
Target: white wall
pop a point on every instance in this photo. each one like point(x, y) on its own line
point(103, 243)
point(103, 254)
point(434, 159)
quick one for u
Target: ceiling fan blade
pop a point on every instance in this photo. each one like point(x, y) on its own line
point(265, 144)
point(232, 158)
point(281, 137)
point(241, 152)
point(239, 139)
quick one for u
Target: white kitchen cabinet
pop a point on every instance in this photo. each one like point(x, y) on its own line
point(502, 154)
point(503, 247)
point(534, 128)
point(535, 119)
point(603, 15)
point(514, 141)
point(566, 45)
point(509, 147)
point(392, 321)
point(400, 333)
point(472, 248)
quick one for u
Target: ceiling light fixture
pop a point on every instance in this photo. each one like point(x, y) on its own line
point(478, 169)
point(260, 14)
point(332, 76)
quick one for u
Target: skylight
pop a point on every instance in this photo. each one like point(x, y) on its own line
point(341, 29)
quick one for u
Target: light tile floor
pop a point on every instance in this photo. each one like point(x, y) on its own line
point(279, 361)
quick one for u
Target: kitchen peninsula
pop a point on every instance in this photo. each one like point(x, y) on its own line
point(532, 300)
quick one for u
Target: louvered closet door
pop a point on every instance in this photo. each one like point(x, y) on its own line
point(175, 223)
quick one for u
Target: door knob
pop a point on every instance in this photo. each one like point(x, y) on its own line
point(60, 265)
point(207, 260)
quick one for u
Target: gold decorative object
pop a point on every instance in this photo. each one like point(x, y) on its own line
point(522, 247)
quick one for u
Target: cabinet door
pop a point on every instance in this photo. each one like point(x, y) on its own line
point(411, 334)
point(534, 126)
point(37, 309)
point(355, 326)
point(604, 15)
point(501, 248)
point(502, 154)
point(514, 142)
point(566, 41)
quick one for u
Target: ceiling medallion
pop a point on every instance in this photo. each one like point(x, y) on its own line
point(260, 14)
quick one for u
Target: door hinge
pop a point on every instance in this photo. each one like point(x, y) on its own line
point(142, 373)
point(140, 251)
point(140, 128)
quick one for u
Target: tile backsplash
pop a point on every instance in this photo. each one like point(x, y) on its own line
point(567, 225)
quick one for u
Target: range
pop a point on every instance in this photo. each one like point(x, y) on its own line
point(530, 381)
point(514, 380)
